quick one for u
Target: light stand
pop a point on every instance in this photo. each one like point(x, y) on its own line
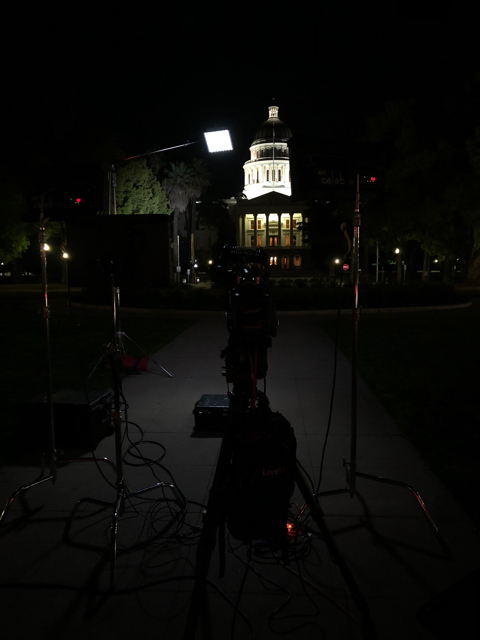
point(122, 488)
point(50, 455)
point(351, 466)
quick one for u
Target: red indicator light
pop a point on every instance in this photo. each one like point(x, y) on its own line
point(372, 179)
point(78, 200)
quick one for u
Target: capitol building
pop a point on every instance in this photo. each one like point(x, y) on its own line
point(267, 217)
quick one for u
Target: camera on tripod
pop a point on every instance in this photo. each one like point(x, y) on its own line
point(262, 467)
point(251, 318)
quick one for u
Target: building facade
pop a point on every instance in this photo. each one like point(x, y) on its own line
point(267, 217)
point(274, 223)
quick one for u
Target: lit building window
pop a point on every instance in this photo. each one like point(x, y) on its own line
point(294, 241)
point(259, 224)
point(285, 262)
point(273, 241)
point(297, 261)
point(268, 175)
point(287, 223)
point(259, 241)
point(252, 224)
point(273, 261)
point(287, 241)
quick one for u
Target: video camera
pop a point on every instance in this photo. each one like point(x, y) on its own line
point(251, 319)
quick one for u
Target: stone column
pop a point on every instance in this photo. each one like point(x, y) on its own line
point(242, 238)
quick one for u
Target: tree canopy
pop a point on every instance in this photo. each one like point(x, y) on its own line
point(14, 233)
point(431, 192)
point(139, 191)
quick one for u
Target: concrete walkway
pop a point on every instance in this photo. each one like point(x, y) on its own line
point(54, 586)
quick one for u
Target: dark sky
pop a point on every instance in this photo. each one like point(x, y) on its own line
point(160, 77)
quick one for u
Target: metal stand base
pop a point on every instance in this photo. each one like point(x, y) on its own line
point(124, 335)
point(123, 493)
point(351, 489)
point(43, 478)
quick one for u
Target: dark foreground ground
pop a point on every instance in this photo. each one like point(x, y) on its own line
point(53, 586)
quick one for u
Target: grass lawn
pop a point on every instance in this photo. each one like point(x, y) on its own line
point(424, 368)
point(77, 343)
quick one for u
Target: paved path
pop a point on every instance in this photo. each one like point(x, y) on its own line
point(393, 553)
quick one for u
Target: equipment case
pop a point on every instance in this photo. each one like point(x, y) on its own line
point(211, 413)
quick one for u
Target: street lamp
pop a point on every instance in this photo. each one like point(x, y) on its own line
point(399, 264)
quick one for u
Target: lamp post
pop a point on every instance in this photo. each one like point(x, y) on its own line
point(398, 254)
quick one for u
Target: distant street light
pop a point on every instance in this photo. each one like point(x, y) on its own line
point(399, 264)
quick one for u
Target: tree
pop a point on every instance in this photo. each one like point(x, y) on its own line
point(213, 214)
point(430, 195)
point(14, 233)
point(139, 191)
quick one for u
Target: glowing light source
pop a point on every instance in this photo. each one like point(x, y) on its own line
point(397, 250)
point(46, 247)
point(64, 254)
point(337, 261)
point(218, 141)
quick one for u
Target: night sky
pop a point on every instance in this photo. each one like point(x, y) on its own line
point(159, 78)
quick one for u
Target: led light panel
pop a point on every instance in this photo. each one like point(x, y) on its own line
point(218, 141)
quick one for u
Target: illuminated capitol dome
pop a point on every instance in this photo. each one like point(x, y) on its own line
point(269, 166)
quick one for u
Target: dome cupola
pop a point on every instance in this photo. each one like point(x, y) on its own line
point(269, 166)
point(272, 128)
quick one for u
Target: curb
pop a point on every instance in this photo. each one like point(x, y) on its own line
point(312, 312)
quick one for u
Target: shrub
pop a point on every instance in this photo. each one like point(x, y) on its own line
point(300, 283)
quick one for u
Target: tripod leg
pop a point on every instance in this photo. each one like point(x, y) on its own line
point(20, 490)
point(317, 515)
point(113, 542)
point(209, 534)
point(398, 483)
point(146, 354)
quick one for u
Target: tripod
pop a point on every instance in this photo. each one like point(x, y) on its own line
point(240, 401)
point(250, 321)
